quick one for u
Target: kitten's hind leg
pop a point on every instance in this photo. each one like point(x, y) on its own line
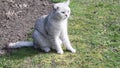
point(41, 41)
point(46, 49)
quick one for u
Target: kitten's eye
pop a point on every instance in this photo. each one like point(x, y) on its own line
point(63, 12)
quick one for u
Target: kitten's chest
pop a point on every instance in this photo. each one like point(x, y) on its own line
point(59, 25)
point(55, 28)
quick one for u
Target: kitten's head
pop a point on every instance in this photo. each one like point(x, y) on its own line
point(61, 10)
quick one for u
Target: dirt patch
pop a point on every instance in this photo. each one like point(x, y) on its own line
point(17, 18)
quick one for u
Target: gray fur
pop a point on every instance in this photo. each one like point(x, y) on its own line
point(51, 30)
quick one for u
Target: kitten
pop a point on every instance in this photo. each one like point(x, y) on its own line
point(50, 31)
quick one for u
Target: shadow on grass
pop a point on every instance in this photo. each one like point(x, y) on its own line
point(23, 52)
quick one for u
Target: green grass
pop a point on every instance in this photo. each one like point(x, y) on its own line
point(94, 31)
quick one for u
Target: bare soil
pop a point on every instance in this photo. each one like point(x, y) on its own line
point(17, 18)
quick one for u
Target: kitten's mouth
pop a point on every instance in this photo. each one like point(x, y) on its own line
point(65, 17)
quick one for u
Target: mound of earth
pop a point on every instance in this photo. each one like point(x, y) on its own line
point(17, 18)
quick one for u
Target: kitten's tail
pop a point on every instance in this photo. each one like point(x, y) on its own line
point(20, 44)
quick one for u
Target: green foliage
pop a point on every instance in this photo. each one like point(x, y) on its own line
point(98, 21)
point(94, 30)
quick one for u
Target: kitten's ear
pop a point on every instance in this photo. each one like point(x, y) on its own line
point(55, 7)
point(68, 2)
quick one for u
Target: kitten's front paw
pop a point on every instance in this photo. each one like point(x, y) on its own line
point(60, 52)
point(73, 50)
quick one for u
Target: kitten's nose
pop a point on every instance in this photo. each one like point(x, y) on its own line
point(66, 15)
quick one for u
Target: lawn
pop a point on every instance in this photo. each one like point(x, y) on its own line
point(94, 31)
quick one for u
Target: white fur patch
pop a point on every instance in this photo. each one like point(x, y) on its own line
point(20, 44)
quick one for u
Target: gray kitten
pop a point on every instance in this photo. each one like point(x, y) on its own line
point(50, 31)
